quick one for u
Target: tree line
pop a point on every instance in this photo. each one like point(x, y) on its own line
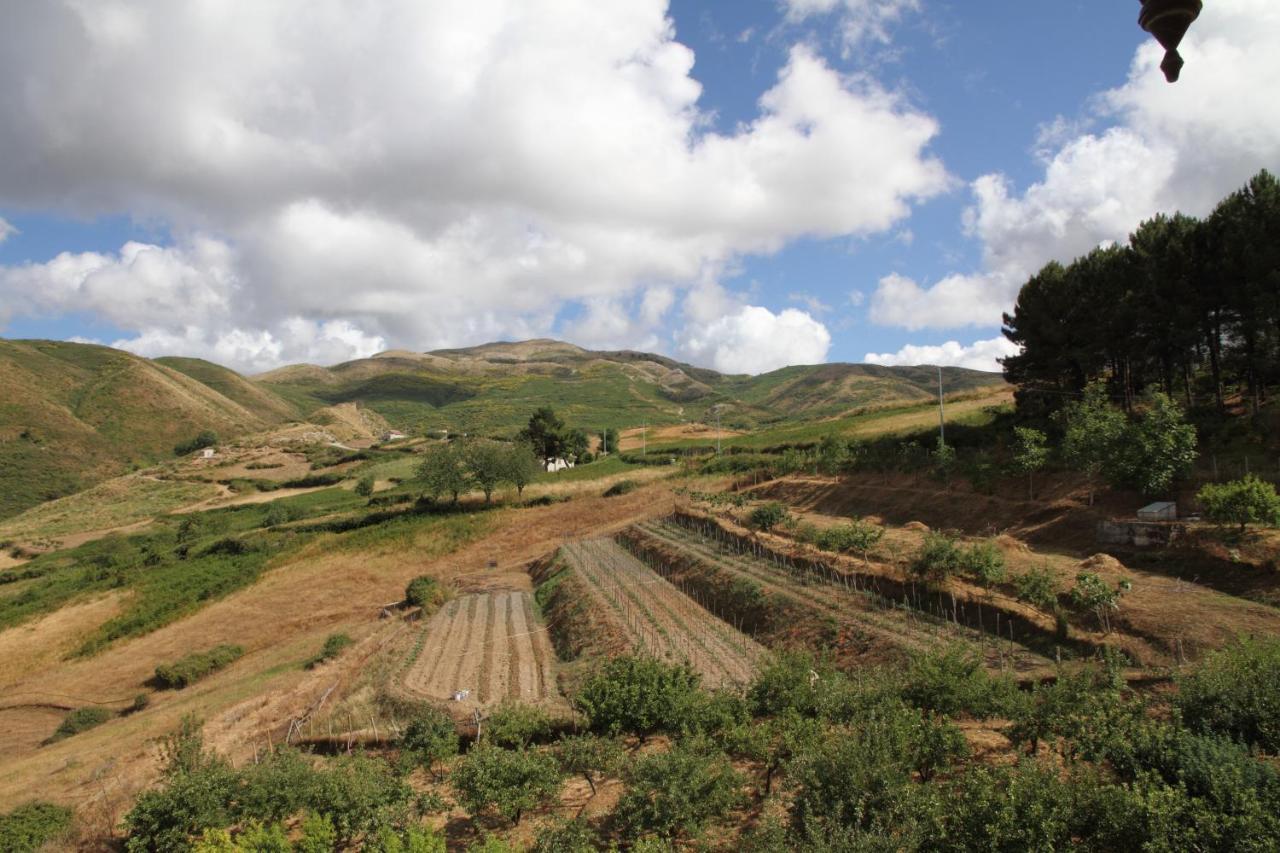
point(1188, 307)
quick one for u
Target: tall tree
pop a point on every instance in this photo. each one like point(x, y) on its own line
point(486, 463)
point(1093, 431)
point(546, 434)
point(521, 466)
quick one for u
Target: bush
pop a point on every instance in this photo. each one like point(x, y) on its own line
point(952, 681)
point(937, 559)
point(364, 486)
point(515, 725)
point(510, 782)
point(678, 791)
point(858, 535)
point(333, 646)
point(1038, 587)
point(573, 836)
point(1246, 501)
point(768, 516)
point(424, 591)
point(203, 439)
point(1236, 693)
point(196, 666)
point(588, 756)
point(637, 695)
point(29, 828)
point(983, 562)
point(79, 720)
point(620, 488)
point(1092, 594)
point(431, 737)
point(312, 481)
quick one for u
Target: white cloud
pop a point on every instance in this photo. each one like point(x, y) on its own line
point(980, 355)
point(861, 21)
point(491, 162)
point(256, 350)
point(6, 230)
point(1179, 147)
point(756, 340)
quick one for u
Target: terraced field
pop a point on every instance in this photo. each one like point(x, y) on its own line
point(878, 621)
point(491, 646)
point(659, 618)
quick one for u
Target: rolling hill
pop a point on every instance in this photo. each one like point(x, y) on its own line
point(73, 414)
point(493, 387)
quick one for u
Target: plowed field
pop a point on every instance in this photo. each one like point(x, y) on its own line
point(659, 618)
point(488, 644)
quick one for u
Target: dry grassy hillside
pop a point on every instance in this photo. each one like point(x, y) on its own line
point(73, 414)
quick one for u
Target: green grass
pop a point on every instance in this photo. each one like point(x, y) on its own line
point(112, 504)
point(606, 467)
point(186, 562)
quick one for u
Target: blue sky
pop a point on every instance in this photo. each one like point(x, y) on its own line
point(742, 184)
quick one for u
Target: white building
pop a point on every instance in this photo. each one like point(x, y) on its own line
point(558, 464)
point(207, 453)
point(393, 435)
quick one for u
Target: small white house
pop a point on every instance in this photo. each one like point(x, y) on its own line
point(206, 453)
point(558, 464)
point(1159, 511)
point(393, 435)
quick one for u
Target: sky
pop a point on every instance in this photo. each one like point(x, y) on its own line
point(742, 184)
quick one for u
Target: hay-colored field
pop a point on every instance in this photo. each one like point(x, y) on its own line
point(488, 645)
point(634, 439)
point(660, 619)
point(340, 582)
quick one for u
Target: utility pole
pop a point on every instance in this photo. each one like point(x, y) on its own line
point(644, 438)
point(942, 418)
point(604, 441)
point(717, 430)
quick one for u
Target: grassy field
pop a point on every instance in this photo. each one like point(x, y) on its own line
point(884, 421)
point(115, 503)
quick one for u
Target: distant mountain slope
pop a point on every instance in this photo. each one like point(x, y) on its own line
point(73, 414)
point(493, 387)
point(233, 386)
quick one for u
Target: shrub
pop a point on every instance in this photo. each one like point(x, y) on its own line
point(30, 827)
point(424, 591)
point(1246, 501)
point(637, 695)
point(983, 562)
point(678, 791)
point(510, 782)
point(431, 737)
point(312, 481)
point(140, 703)
point(364, 486)
point(937, 559)
point(1236, 693)
point(857, 535)
point(588, 756)
point(1038, 587)
point(205, 438)
point(768, 516)
point(952, 681)
point(333, 646)
point(196, 666)
point(572, 836)
point(1092, 594)
point(620, 488)
point(515, 725)
point(359, 793)
point(79, 720)
point(789, 681)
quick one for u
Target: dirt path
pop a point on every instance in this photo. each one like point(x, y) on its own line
point(660, 618)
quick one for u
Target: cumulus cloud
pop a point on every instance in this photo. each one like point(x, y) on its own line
point(979, 355)
point(490, 164)
point(6, 229)
point(756, 340)
point(1166, 148)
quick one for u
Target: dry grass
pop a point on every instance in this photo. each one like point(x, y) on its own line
point(280, 621)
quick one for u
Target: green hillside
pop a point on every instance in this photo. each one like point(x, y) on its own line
point(72, 415)
point(492, 388)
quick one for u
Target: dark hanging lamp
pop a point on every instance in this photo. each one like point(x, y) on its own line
point(1168, 21)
